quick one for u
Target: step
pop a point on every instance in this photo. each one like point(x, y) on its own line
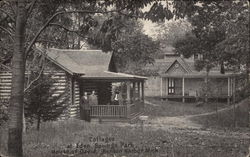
point(135, 118)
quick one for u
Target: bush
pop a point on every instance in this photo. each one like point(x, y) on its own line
point(3, 112)
point(243, 93)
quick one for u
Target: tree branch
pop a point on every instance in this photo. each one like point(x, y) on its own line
point(8, 32)
point(10, 5)
point(31, 6)
point(128, 15)
point(67, 29)
point(53, 17)
point(46, 41)
point(6, 13)
point(5, 66)
point(33, 81)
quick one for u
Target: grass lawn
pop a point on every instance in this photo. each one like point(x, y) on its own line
point(76, 138)
point(173, 108)
point(226, 118)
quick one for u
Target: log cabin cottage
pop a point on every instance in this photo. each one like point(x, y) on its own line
point(178, 79)
point(79, 71)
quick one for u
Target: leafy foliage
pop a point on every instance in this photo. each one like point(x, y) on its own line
point(170, 32)
point(3, 112)
point(220, 31)
point(40, 104)
point(135, 50)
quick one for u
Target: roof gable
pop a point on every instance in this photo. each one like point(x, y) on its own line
point(178, 66)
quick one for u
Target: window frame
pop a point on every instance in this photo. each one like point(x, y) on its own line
point(171, 86)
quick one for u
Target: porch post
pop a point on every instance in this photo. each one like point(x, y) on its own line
point(228, 90)
point(142, 93)
point(164, 86)
point(133, 94)
point(161, 87)
point(231, 82)
point(206, 96)
point(128, 92)
point(139, 90)
point(183, 89)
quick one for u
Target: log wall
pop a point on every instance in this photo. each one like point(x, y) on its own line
point(61, 86)
point(74, 109)
point(5, 86)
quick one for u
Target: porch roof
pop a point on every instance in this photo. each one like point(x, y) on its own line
point(201, 75)
point(107, 75)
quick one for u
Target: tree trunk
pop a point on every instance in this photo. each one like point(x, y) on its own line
point(222, 68)
point(17, 88)
point(247, 71)
point(234, 107)
point(206, 84)
point(24, 122)
point(38, 122)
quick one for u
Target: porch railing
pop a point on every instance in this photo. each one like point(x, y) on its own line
point(108, 111)
point(119, 111)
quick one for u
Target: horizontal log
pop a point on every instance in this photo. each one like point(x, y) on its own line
point(77, 101)
point(74, 108)
point(5, 87)
point(5, 84)
point(77, 89)
point(73, 112)
point(5, 94)
point(58, 87)
point(5, 78)
point(59, 84)
point(59, 77)
point(55, 94)
point(5, 74)
point(4, 97)
point(5, 81)
point(5, 90)
point(60, 81)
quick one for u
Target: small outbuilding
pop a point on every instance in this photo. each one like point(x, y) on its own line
point(178, 79)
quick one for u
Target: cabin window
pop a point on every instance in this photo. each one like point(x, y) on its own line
point(171, 84)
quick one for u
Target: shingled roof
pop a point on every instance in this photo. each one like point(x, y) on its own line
point(90, 64)
point(161, 66)
point(80, 61)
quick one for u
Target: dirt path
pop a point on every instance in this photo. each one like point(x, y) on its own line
point(184, 124)
point(184, 121)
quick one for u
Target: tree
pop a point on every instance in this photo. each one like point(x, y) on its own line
point(40, 104)
point(170, 32)
point(235, 48)
point(20, 16)
point(220, 29)
point(124, 37)
point(216, 34)
point(133, 51)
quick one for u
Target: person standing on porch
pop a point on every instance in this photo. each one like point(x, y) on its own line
point(93, 99)
point(115, 98)
point(85, 107)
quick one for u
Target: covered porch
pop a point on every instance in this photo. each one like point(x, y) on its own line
point(191, 87)
point(131, 94)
